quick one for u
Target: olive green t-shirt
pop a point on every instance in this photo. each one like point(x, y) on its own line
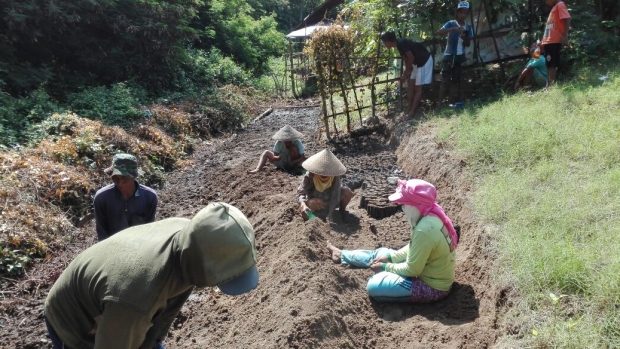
point(128, 298)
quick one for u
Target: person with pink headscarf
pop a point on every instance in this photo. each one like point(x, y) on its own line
point(423, 270)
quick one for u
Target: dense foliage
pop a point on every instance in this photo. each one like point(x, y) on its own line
point(69, 44)
point(594, 29)
point(106, 59)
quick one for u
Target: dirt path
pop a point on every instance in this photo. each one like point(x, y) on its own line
point(303, 299)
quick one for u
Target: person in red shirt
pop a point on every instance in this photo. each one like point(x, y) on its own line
point(555, 36)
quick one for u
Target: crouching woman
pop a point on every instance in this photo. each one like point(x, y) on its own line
point(321, 188)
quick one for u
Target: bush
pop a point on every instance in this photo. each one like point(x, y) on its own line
point(213, 69)
point(18, 114)
point(113, 106)
point(221, 112)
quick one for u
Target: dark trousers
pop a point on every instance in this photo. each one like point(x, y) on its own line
point(56, 342)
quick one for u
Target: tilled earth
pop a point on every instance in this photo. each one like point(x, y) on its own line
point(303, 299)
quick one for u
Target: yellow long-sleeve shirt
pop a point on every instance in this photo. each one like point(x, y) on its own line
point(427, 255)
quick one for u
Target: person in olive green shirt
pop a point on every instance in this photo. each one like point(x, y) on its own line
point(423, 270)
point(125, 291)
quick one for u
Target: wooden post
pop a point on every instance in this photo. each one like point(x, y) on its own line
point(400, 83)
point(331, 94)
point(501, 64)
point(345, 96)
point(530, 26)
point(325, 121)
point(477, 42)
point(357, 102)
point(321, 80)
point(293, 87)
point(373, 91)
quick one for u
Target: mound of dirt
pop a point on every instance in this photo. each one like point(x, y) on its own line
point(304, 300)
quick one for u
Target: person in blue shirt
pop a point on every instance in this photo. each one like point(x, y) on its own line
point(125, 203)
point(287, 153)
point(459, 37)
point(535, 71)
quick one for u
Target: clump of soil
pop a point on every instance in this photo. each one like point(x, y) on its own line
point(304, 300)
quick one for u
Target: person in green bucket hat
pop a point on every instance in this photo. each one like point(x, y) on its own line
point(124, 203)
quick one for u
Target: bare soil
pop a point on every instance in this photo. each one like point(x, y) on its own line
point(304, 300)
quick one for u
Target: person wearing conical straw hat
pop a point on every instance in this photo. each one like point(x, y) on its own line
point(287, 153)
point(423, 270)
point(321, 187)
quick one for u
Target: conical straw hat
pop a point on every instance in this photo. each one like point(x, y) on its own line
point(324, 163)
point(287, 133)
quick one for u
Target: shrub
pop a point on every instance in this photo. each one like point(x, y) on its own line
point(18, 114)
point(116, 105)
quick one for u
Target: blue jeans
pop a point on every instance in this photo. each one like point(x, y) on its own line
point(58, 344)
point(383, 286)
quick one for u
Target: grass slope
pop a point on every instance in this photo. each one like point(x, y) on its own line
point(548, 165)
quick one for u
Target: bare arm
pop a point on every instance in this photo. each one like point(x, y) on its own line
point(302, 190)
point(565, 35)
point(522, 76)
point(409, 60)
point(444, 31)
point(275, 157)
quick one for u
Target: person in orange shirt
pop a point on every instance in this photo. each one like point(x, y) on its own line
point(555, 36)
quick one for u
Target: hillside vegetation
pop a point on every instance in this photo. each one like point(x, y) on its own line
point(548, 169)
point(83, 80)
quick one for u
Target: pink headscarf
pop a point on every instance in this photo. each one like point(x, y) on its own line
point(423, 196)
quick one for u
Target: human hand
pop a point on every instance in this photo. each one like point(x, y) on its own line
point(403, 78)
point(382, 259)
point(377, 267)
point(303, 207)
point(517, 85)
point(329, 219)
point(564, 40)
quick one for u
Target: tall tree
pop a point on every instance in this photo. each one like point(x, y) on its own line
point(81, 41)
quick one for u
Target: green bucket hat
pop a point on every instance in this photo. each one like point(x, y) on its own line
point(124, 165)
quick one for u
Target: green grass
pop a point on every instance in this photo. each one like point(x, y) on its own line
point(548, 170)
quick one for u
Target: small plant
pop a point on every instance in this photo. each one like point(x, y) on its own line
point(14, 262)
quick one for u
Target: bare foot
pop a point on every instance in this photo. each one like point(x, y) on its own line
point(253, 171)
point(334, 251)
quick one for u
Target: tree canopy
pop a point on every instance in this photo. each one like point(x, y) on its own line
point(74, 43)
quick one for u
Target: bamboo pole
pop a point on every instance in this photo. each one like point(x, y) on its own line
point(290, 45)
point(501, 64)
point(477, 42)
point(331, 93)
point(373, 90)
